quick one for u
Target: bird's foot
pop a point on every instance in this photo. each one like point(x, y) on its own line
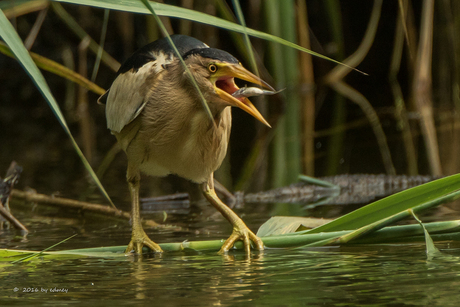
point(140, 239)
point(242, 232)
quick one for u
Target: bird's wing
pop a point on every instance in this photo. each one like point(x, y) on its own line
point(126, 97)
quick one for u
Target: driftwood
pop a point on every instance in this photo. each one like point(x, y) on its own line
point(343, 190)
point(83, 206)
point(333, 190)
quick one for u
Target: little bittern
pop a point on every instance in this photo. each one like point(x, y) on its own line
point(160, 122)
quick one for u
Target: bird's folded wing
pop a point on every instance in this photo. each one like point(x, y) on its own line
point(126, 96)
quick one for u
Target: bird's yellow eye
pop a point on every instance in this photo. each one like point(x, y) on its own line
point(212, 68)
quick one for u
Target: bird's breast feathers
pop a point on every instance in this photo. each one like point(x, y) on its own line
point(193, 152)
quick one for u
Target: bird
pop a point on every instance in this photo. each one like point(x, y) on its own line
point(160, 122)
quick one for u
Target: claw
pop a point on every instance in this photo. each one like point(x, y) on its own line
point(242, 232)
point(139, 239)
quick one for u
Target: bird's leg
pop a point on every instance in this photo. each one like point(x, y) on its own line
point(138, 238)
point(240, 230)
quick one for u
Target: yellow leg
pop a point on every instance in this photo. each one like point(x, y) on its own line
point(138, 238)
point(240, 230)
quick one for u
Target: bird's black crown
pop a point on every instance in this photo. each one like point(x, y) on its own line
point(139, 58)
point(212, 53)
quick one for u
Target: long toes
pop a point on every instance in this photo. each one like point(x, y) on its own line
point(246, 238)
point(139, 248)
point(247, 244)
point(130, 248)
point(259, 244)
point(137, 243)
point(153, 246)
point(134, 248)
point(228, 244)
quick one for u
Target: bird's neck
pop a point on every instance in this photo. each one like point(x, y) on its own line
point(217, 112)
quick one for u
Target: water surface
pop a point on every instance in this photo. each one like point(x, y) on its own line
point(366, 275)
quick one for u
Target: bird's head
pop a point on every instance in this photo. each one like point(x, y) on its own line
point(215, 71)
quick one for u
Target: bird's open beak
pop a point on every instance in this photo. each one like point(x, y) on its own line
point(225, 86)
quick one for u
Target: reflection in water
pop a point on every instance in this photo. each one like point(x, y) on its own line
point(359, 276)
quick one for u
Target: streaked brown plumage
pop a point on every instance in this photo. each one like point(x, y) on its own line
point(158, 118)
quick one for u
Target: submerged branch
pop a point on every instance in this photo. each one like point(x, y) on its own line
point(10, 218)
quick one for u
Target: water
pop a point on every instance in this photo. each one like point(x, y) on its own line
point(352, 277)
point(368, 275)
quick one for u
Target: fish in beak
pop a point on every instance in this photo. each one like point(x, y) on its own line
point(224, 85)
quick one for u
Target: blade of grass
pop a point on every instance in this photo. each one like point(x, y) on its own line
point(46, 249)
point(15, 8)
point(29, 41)
point(363, 231)
point(7, 4)
point(161, 9)
point(12, 39)
point(101, 45)
point(406, 233)
point(371, 228)
point(317, 181)
point(81, 33)
point(57, 69)
point(189, 73)
point(431, 250)
point(224, 10)
point(252, 59)
point(350, 236)
point(428, 193)
point(339, 72)
point(278, 225)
